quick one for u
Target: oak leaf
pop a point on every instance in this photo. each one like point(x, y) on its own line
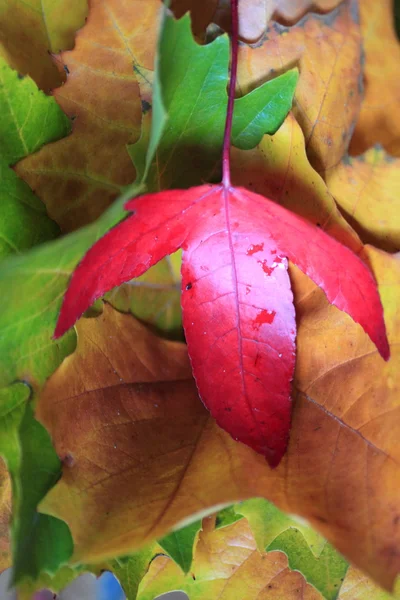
point(80, 176)
point(327, 49)
point(227, 564)
point(31, 30)
point(377, 122)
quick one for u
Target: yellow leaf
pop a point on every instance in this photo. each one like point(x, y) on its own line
point(279, 169)
point(366, 189)
point(378, 121)
point(31, 30)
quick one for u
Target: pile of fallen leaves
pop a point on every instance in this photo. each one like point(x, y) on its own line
point(107, 448)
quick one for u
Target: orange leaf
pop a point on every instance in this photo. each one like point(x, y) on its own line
point(81, 175)
point(378, 121)
point(228, 565)
point(366, 189)
point(148, 454)
point(328, 51)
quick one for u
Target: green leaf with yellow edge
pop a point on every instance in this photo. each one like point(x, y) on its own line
point(228, 565)
point(179, 544)
point(29, 119)
point(326, 573)
point(267, 522)
point(33, 29)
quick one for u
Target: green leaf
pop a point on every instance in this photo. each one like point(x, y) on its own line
point(130, 570)
point(189, 110)
point(45, 542)
point(307, 550)
point(29, 119)
point(269, 103)
point(325, 573)
point(179, 545)
point(226, 517)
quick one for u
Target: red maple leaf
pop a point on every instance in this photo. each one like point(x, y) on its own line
point(237, 302)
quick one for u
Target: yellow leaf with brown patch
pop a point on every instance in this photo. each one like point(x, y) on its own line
point(80, 176)
point(228, 565)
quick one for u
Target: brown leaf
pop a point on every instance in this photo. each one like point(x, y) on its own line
point(78, 177)
point(141, 458)
point(31, 30)
point(327, 100)
point(378, 121)
point(366, 189)
point(228, 565)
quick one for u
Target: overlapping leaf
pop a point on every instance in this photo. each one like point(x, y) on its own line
point(28, 121)
point(340, 472)
point(366, 189)
point(279, 169)
point(327, 100)
point(377, 122)
point(31, 30)
point(81, 175)
point(227, 565)
point(254, 15)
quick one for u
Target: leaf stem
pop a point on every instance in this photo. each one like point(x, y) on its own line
point(226, 164)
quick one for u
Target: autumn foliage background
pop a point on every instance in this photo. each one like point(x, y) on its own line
point(106, 445)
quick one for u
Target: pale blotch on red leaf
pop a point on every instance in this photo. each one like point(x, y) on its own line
point(327, 50)
point(238, 312)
